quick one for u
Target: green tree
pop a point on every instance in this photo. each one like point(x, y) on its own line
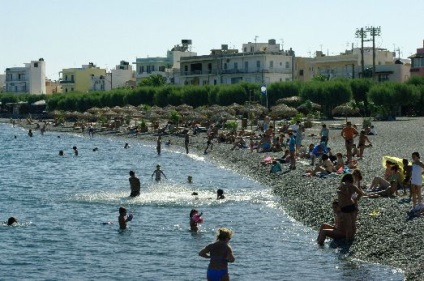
point(154, 80)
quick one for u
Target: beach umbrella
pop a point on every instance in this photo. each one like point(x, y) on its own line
point(94, 110)
point(290, 101)
point(117, 109)
point(110, 113)
point(308, 107)
point(184, 108)
point(345, 110)
point(282, 111)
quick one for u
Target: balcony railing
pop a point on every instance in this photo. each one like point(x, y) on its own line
point(67, 81)
point(237, 71)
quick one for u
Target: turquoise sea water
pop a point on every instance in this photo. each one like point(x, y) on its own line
point(62, 202)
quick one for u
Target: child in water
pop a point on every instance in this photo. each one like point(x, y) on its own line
point(195, 220)
point(158, 173)
point(123, 218)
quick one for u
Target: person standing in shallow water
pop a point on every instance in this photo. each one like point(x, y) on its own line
point(134, 184)
point(186, 141)
point(159, 144)
point(220, 254)
point(158, 174)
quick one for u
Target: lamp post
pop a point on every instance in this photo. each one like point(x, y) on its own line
point(264, 92)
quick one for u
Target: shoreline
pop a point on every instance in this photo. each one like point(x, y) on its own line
point(387, 238)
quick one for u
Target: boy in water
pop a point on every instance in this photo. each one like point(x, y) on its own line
point(123, 218)
point(134, 184)
point(158, 173)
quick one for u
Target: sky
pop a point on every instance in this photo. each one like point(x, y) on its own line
point(71, 33)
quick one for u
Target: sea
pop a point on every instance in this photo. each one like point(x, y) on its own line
point(67, 211)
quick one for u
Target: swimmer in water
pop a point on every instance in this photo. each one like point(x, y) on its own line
point(190, 179)
point(75, 150)
point(220, 194)
point(126, 145)
point(61, 153)
point(158, 173)
point(195, 220)
point(30, 134)
point(123, 218)
point(11, 221)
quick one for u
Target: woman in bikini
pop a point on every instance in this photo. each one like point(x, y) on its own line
point(348, 204)
point(220, 254)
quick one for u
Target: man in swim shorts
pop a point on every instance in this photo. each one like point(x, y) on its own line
point(349, 133)
point(134, 184)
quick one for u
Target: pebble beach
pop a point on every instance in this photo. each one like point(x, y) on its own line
point(385, 234)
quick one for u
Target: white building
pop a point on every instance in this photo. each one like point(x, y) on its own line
point(121, 75)
point(118, 77)
point(28, 79)
point(261, 63)
point(168, 67)
point(2, 82)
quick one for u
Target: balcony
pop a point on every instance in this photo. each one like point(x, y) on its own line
point(67, 81)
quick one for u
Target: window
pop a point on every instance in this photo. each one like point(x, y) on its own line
point(301, 72)
point(271, 64)
point(252, 49)
point(142, 69)
point(185, 68)
point(66, 77)
point(35, 64)
point(162, 68)
point(245, 50)
point(225, 66)
point(287, 64)
point(235, 66)
point(72, 78)
point(148, 68)
point(258, 64)
point(246, 66)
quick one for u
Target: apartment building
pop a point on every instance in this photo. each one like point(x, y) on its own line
point(27, 79)
point(168, 67)
point(348, 65)
point(258, 62)
point(79, 79)
point(417, 62)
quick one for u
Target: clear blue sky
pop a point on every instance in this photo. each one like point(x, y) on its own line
point(71, 33)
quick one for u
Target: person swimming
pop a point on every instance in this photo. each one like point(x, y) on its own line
point(220, 194)
point(11, 221)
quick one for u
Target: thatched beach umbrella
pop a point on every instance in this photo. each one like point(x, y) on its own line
point(290, 101)
point(345, 110)
point(282, 111)
point(184, 108)
point(94, 110)
point(308, 107)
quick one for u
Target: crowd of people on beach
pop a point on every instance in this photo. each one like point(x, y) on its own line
point(323, 162)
